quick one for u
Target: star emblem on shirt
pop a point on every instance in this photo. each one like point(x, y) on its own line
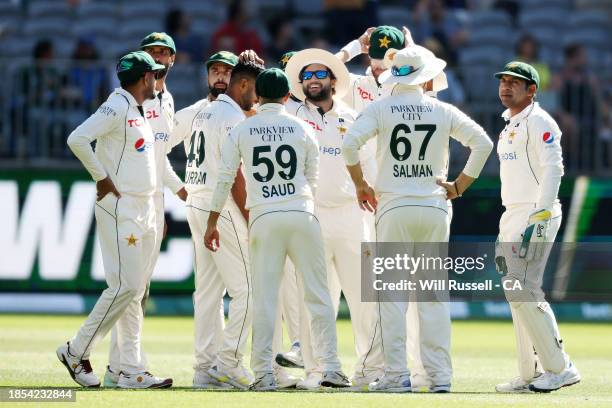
point(131, 240)
point(285, 59)
point(511, 136)
point(384, 42)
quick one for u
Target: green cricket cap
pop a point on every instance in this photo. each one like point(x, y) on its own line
point(272, 83)
point(225, 57)
point(285, 59)
point(161, 39)
point(383, 38)
point(520, 70)
point(134, 64)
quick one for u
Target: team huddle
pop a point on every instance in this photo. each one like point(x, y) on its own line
point(288, 171)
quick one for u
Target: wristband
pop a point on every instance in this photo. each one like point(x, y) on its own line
point(352, 49)
point(456, 189)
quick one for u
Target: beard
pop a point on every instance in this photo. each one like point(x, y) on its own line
point(216, 91)
point(322, 94)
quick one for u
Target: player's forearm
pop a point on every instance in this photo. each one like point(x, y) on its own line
point(220, 195)
point(462, 183)
point(170, 179)
point(81, 147)
point(239, 193)
point(213, 218)
point(481, 147)
point(356, 173)
point(549, 187)
point(349, 51)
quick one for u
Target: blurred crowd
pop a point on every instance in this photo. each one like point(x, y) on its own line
point(52, 91)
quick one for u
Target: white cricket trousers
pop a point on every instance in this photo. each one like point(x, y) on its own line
point(114, 352)
point(288, 310)
point(417, 222)
point(273, 236)
point(344, 228)
point(535, 326)
point(127, 231)
point(215, 272)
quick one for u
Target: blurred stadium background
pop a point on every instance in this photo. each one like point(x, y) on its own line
point(57, 64)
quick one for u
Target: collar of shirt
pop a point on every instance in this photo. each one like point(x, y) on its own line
point(227, 99)
point(399, 88)
point(521, 115)
point(271, 108)
point(128, 96)
point(334, 111)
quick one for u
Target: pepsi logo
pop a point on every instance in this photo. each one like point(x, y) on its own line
point(548, 138)
point(140, 145)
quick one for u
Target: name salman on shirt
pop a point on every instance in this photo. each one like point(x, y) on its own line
point(411, 112)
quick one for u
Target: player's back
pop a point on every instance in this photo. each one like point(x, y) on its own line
point(280, 159)
point(412, 143)
point(209, 129)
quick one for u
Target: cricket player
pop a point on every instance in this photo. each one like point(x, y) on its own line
point(365, 89)
point(125, 172)
point(160, 113)
point(410, 194)
point(203, 131)
point(289, 308)
point(531, 167)
point(321, 85)
point(281, 158)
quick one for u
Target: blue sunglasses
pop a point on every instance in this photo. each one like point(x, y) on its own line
point(321, 74)
point(402, 71)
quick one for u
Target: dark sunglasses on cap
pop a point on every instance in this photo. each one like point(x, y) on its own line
point(321, 74)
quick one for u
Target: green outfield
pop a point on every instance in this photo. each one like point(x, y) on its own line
point(483, 354)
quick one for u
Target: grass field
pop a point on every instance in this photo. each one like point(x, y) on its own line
point(483, 354)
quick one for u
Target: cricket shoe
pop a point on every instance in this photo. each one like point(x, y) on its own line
point(203, 380)
point(548, 381)
point(266, 382)
point(398, 383)
point(516, 386)
point(361, 382)
point(111, 378)
point(311, 383)
point(80, 370)
point(143, 380)
point(292, 358)
point(238, 377)
point(440, 388)
point(335, 379)
point(283, 379)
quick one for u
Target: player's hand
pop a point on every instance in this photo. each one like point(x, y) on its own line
point(535, 236)
point(250, 56)
point(211, 238)
point(182, 194)
point(500, 259)
point(452, 190)
point(408, 36)
point(105, 186)
point(364, 40)
point(366, 197)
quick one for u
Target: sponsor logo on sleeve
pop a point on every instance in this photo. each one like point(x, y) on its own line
point(548, 138)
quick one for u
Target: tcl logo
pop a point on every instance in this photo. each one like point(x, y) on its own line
point(135, 122)
point(365, 94)
point(314, 125)
point(151, 114)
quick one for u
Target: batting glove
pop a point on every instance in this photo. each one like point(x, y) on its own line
point(500, 260)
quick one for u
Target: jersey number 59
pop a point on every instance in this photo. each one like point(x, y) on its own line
point(289, 164)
